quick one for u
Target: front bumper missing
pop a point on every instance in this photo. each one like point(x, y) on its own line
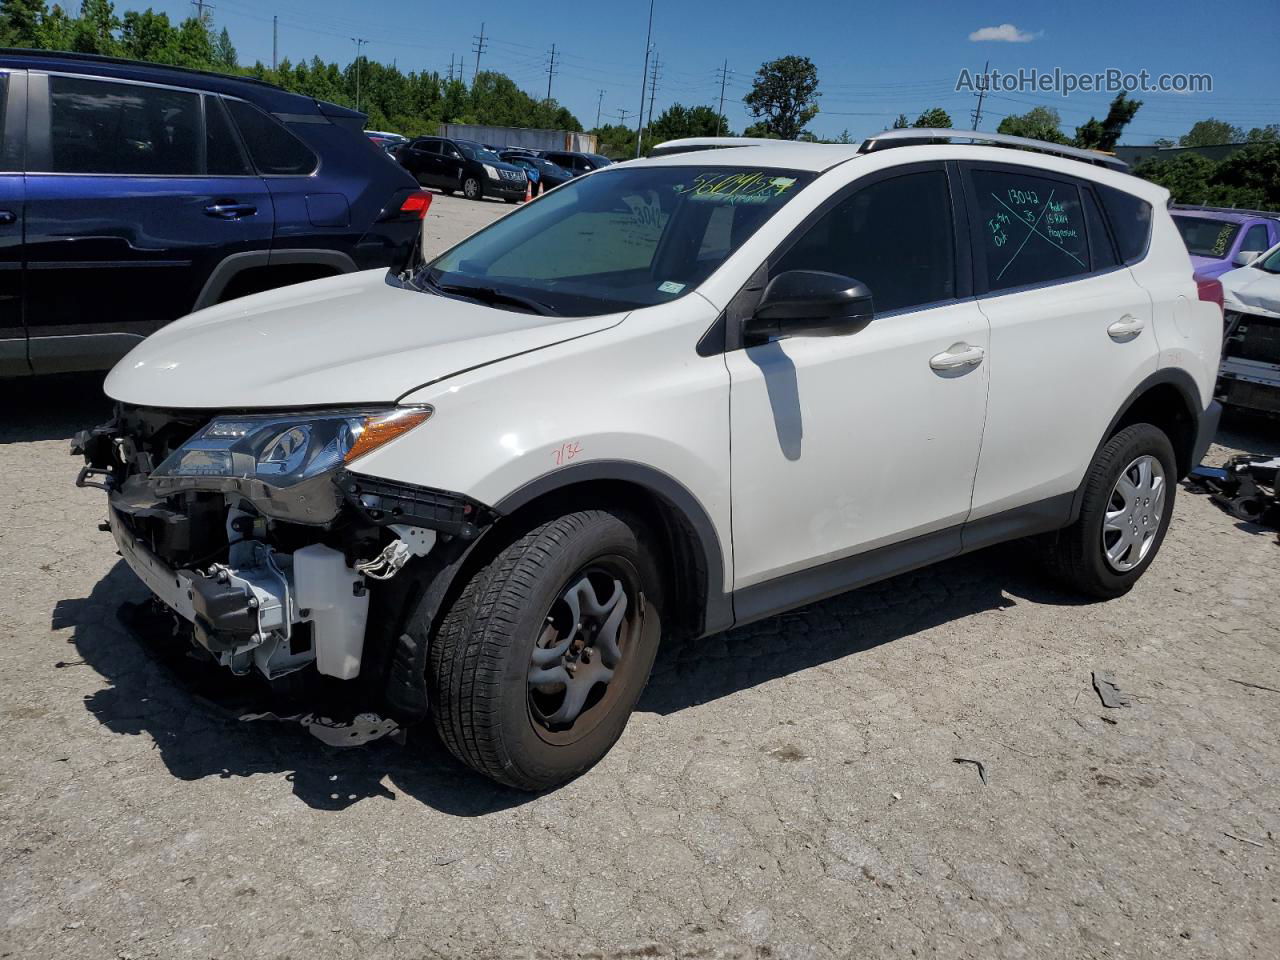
point(274, 612)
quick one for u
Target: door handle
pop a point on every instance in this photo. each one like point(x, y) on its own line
point(1125, 329)
point(8, 216)
point(230, 211)
point(958, 356)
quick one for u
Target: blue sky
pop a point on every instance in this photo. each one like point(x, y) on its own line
point(874, 60)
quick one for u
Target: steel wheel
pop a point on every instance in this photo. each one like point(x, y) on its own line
point(1134, 513)
point(582, 650)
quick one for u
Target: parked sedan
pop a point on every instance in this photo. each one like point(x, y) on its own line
point(540, 171)
point(576, 163)
point(463, 165)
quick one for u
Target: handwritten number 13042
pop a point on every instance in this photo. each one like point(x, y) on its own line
point(566, 452)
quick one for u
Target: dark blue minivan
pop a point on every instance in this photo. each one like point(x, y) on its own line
point(132, 194)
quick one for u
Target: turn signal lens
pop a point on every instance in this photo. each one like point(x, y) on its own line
point(385, 427)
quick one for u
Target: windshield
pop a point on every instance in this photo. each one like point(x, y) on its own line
point(624, 238)
point(1270, 264)
point(1205, 237)
point(476, 152)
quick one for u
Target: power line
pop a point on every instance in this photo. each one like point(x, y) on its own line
point(724, 77)
point(648, 46)
point(551, 70)
point(479, 47)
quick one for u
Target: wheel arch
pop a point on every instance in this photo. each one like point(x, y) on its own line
point(1168, 399)
point(236, 264)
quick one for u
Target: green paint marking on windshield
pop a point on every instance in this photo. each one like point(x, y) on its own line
point(754, 186)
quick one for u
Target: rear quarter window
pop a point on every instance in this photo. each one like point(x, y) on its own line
point(274, 149)
point(1130, 219)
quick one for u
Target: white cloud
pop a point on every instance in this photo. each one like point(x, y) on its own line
point(1005, 33)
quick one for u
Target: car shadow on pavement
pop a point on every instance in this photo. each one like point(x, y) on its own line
point(190, 709)
point(51, 408)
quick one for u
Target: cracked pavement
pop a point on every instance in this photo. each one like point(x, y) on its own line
point(785, 790)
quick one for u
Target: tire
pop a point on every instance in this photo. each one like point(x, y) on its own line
point(471, 189)
point(1077, 557)
point(481, 664)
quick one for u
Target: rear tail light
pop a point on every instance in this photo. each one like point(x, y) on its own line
point(1209, 289)
point(418, 203)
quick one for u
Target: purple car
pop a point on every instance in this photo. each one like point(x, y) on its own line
point(1220, 238)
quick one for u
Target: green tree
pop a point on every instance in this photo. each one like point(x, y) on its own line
point(1268, 134)
point(679, 121)
point(1038, 123)
point(1210, 133)
point(1104, 135)
point(934, 117)
point(902, 123)
point(785, 94)
point(224, 52)
point(94, 31)
point(148, 36)
point(21, 22)
point(615, 140)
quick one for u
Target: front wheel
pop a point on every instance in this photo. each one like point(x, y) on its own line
point(471, 188)
point(1128, 502)
point(539, 662)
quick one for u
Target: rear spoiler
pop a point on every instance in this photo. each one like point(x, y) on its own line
point(343, 116)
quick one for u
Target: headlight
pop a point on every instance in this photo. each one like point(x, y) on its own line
point(282, 450)
point(492, 172)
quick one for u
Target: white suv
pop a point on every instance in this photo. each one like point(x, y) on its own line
point(666, 398)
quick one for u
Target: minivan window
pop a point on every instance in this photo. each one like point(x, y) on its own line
point(1032, 229)
point(223, 156)
point(1255, 239)
point(895, 236)
point(628, 237)
point(99, 126)
point(274, 149)
point(1205, 237)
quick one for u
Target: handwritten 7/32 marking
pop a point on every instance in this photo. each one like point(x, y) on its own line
point(1033, 228)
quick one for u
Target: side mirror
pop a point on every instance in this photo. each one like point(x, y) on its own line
point(810, 303)
point(1246, 257)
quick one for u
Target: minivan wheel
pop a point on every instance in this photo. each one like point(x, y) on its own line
point(1128, 501)
point(540, 660)
point(471, 188)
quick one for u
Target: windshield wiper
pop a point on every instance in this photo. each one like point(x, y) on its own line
point(489, 295)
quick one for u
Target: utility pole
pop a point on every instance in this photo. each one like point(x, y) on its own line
point(451, 68)
point(653, 84)
point(599, 104)
point(359, 42)
point(551, 70)
point(622, 115)
point(275, 36)
point(479, 48)
point(644, 74)
point(200, 6)
point(982, 92)
point(724, 76)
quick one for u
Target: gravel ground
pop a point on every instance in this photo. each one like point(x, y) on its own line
point(785, 790)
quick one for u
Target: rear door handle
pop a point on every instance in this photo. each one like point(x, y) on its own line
point(958, 356)
point(1125, 329)
point(230, 211)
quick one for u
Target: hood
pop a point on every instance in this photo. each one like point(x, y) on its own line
point(351, 339)
point(1209, 266)
point(1252, 289)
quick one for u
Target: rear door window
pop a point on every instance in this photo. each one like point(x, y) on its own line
point(274, 149)
point(223, 156)
point(1255, 239)
point(100, 126)
point(1031, 228)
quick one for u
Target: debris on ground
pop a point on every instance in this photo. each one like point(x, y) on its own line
point(1253, 686)
point(1253, 843)
point(982, 769)
point(361, 729)
point(1109, 691)
point(1245, 486)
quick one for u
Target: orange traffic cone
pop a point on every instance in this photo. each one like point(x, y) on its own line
point(528, 191)
point(540, 188)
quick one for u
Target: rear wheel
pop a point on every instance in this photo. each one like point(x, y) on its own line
point(541, 659)
point(471, 188)
point(1128, 501)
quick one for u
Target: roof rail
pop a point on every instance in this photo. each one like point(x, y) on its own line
point(691, 144)
point(902, 138)
point(125, 62)
point(1269, 214)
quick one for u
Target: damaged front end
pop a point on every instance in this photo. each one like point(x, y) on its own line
point(252, 528)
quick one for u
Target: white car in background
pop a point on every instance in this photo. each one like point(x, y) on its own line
point(669, 397)
point(1250, 375)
